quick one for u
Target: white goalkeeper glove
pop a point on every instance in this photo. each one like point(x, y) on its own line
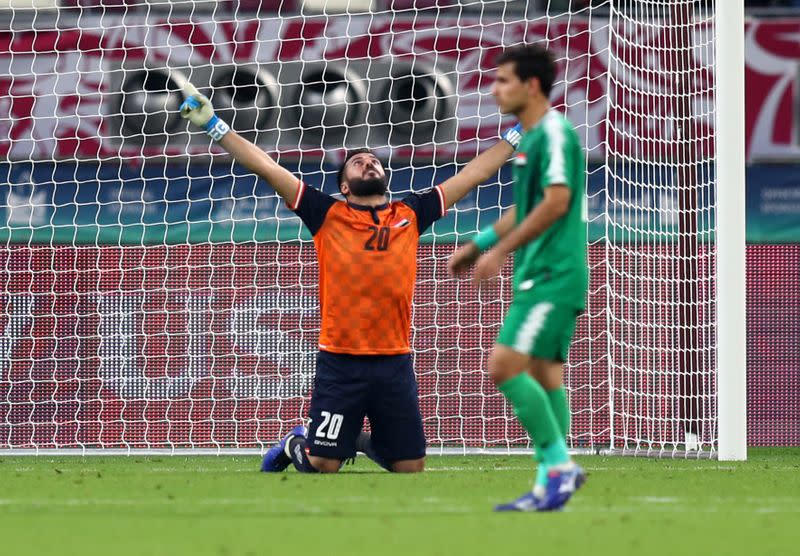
point(513, 135)
point(198, 110)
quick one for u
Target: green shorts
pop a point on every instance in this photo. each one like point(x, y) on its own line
point(539, 327)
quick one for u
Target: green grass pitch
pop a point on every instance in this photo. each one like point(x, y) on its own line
point(223, 506)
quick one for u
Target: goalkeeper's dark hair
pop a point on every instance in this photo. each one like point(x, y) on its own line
point(350, 154)
point(531, 60)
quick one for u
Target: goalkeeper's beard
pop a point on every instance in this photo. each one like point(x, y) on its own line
point(365, 188)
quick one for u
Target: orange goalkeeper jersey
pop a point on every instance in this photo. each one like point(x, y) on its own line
point(367, 267)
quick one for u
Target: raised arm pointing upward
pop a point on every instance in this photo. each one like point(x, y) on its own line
point(198, 110)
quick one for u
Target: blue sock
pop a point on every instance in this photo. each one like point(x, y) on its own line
point(297, 451)
point(364, 444)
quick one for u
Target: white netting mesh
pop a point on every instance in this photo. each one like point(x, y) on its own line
point(153, 300)
point(659, 256)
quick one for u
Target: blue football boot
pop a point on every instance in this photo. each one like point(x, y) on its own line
point(561, 485)
point(276, 460)
point(528, 502)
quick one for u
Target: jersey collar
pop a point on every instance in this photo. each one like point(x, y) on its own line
point(550, 112)
point(367, 207)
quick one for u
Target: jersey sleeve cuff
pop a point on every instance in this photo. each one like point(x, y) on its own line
point(442, 203)
point(301, 189)
point(557, 180)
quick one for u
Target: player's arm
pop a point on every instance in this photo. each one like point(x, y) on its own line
point(433, 204)
point(481, 168)
point(477, 171)
point(263, 165)
point(506, 222)
point(553, 206)
point(198, 110)
point(467, 254)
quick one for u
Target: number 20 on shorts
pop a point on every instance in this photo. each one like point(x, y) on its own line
point(331, 422)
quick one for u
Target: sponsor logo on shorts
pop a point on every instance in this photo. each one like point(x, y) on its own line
point(325, 443)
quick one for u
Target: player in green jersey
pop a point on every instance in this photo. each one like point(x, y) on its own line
point(547, 234)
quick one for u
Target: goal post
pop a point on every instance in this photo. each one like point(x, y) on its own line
point(157, 298)
point(730, 234)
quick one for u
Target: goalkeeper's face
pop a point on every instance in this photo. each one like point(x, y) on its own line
point(510, 92)
point(364, 176)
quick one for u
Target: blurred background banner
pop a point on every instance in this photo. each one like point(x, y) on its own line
point(59, 108)
point(85, 203)
point(60, 100)
point(773, 203)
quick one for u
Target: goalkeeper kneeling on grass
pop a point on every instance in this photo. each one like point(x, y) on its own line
point(367, 254)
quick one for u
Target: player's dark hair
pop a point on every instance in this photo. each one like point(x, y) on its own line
point(347, 158)
point(531, 60)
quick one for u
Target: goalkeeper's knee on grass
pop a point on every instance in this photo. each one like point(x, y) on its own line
point(305, 463)
point(364, 445)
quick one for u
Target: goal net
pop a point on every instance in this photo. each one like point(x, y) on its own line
point(155, 296)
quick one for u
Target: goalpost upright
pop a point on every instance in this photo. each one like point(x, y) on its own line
point(730, 232)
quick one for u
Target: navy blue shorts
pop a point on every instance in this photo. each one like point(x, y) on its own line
point(382, 388)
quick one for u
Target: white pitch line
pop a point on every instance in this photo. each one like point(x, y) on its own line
point(531, 467)
point(279, 507)
point(590, 468)
point(429, 503)
point(428, 500)
point(593, 469)
point(658, 499)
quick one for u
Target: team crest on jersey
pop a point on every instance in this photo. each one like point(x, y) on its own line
point(402, 223)
point(520, 159)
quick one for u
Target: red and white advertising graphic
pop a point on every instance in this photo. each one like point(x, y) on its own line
point(772, 89)
point(55, 84)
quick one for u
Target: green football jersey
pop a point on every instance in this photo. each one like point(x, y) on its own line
point(554, 264)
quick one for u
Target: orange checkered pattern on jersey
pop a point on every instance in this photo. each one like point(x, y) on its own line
point(367, 271)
